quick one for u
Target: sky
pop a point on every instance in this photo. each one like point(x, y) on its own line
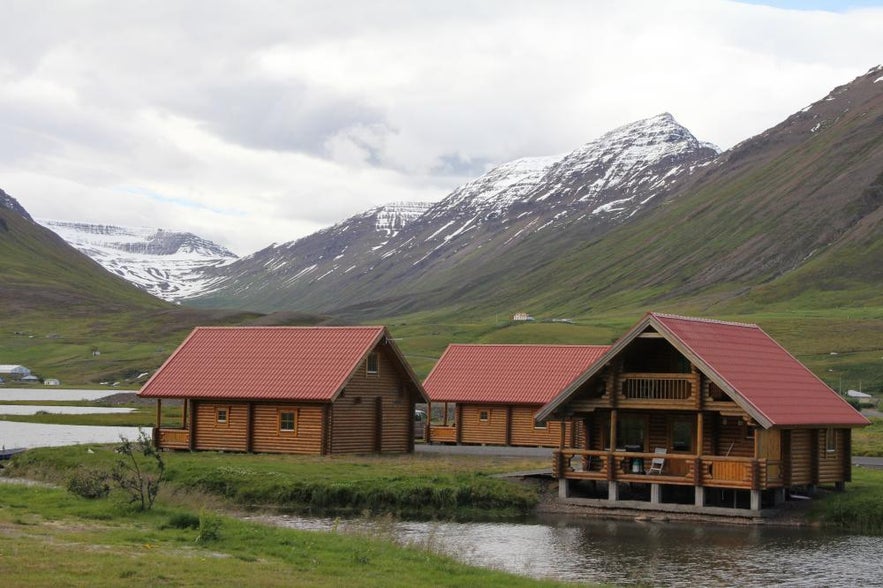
point(259, 122)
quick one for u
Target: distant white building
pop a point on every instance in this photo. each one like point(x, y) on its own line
point(51, 382)
point(14, 372)
point(522, 316)
point(864, 399)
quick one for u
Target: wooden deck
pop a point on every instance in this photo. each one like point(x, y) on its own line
point(680, 469)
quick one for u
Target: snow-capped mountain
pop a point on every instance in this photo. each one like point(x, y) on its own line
point(599, 185)
point(339, 248)
point(169, 265)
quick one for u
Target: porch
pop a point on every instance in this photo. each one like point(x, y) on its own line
point(632, 468)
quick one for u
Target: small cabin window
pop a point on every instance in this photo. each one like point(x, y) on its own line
point(484, 416)
point(830, 440)
point(221, 415)
point(287, 421)
point(540, 425)
point(372, 364)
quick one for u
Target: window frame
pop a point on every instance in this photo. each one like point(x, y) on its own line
point(226, 420)
point(484, 415)
point(373, 358)
point(280, 416)
point(830, 440)
point(673, 422)
point(645, 429)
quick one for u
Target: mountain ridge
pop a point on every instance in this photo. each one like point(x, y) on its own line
point(601, 179)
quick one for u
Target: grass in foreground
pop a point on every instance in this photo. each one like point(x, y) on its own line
point(859, 509)
point(417, 486)
point(49, 537)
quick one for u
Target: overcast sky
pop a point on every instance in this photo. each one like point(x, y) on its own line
point(256, 122)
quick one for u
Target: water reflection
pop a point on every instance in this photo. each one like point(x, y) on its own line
point(657, 554)
point(29, 409)
point(35, 394)
point(30, 435)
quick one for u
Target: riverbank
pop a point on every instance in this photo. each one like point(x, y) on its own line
point(49, 537)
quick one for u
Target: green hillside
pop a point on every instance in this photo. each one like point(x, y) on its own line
point(63, 316)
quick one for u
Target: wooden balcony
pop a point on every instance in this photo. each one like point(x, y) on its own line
point(638, 390)
point(173, 438)
point(680, 469)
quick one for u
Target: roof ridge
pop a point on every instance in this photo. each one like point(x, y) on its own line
point(292, 327)
point(704, 320)
point(528, 345)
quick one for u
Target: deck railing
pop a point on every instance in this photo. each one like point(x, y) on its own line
point(442, 434)
point(174, 438)
point(656, 387)
point(679, 469)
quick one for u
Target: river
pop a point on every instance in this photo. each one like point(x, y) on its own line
point(30, 435)
point(629, 552)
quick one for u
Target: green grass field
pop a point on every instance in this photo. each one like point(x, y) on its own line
point(49, 537)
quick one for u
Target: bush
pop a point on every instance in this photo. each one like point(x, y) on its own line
point(209, 527)
point(183, 520)
point(89, 483)
point(140, 470)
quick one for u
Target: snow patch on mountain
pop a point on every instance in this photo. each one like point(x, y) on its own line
point(168, 264)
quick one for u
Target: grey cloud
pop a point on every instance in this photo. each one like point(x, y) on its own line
point(455, 164)
point(280, 116)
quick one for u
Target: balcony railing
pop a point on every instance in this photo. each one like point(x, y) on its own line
point(173, 438)
point(442, 434)
point(680, 469)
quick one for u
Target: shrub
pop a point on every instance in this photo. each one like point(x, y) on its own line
point(139, 471)
point(209, 527)
point(89, 483)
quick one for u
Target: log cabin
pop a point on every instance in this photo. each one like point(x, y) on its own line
point(703, 412)
point(302, 390)
point(495, 391)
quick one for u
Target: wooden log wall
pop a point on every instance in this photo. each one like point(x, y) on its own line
point(305, 439)
point(523, 432)
point(830, 468)
point(474, 430)
point(375, 412)
point(801, 461)
point(211, 435)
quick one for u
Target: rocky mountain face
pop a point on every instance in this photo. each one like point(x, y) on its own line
point(596, 187)
point(169, 265)
point(10, 203)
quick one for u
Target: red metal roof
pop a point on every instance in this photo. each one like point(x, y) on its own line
point(266, 363)
point(509, 374)
point(760, 371)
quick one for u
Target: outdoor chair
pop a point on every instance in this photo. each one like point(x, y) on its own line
point(658, 462)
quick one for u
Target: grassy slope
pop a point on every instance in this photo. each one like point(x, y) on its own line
point(49, 537)
point(57, 307)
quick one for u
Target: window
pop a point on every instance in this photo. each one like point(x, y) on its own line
point(630, 433)
point(287, 420)
point(484, 416)
point(830, 439)
point(372, 364)
point(221, 415)
point(682, 434)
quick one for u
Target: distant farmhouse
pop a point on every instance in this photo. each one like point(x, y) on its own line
point(521, 316)
point(305, 390)
point(14, 372)
point(706, 412)
point(497, 389)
